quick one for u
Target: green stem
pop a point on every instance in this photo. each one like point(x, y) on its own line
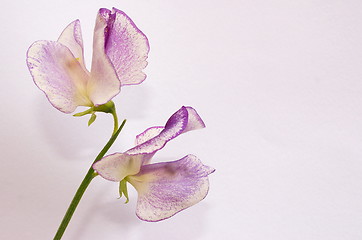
point(83, 186)
point(115, 118)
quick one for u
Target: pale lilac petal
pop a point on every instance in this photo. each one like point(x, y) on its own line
point(71, 37)
point(148, 134)
point(144, 137)
point(104, 83)
point(194, 120)
point(117, 166)
point(58, 74)
point(126, 46)
point(184, 120)
point(165, 189)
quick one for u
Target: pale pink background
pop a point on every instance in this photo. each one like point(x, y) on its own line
point(278, 83)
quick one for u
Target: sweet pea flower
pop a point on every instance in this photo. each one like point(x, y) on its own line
point(119, 55)
point(166, 188)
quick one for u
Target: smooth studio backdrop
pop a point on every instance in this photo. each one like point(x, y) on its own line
point(278, 84)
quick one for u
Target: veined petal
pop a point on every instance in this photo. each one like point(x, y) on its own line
point(194, 120)
point(117, 166)
point(104, 83)
point(71, 37)
point(58, 74)
point(174, 127)
point(165, 189)
point(126, 46)
point(145, 136)
point(185, 119)
point(148, 134)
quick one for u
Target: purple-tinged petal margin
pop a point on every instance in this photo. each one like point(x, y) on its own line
point(165, 189)
point(58, 74)
point(194, 120)
point(145, 136)
point(126, 46)
point(104, 83)
point(71, 37)
point(148, 134)
point(185, 119)
point(117, 166)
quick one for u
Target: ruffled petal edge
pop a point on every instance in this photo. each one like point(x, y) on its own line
point(165, 189)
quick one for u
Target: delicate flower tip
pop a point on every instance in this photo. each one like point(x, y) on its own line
point(104, 12)
point(71, 37)
point(194, 120)
point(211, 170)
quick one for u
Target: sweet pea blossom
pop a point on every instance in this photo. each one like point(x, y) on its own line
point(166, 188)
point(119, 55)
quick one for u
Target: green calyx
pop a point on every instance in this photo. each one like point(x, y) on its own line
point(123, 189)
point(108, 107)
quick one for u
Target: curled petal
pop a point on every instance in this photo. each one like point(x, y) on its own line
point(194, 120)
point(126, 46)
point(185, 119)
point(71, 37)
point(144, 137)
point(148, 134)
point(116, 167)
point(165, 189)
point(58, 74)
point(104, 83)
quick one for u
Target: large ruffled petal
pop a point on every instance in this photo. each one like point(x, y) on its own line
point(184, 120)
point(117, 166)
point(167, 188)
point(58, 74)
point(71, 37)
point(104, 83)
point(126, 46)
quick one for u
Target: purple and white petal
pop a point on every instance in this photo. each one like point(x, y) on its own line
point(58, 74)
point(174, 127)
point(144, 137)
point(117, 166)
point(71, 37)
point(165, 189)
point(194, 120)
point(104, 83)
point(185, 119)
point(126, 46)
point(148, 134)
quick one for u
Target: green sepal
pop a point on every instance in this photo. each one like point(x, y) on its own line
point(123, 189)
point(88, 111)
point(92, 119)
point(108, 107)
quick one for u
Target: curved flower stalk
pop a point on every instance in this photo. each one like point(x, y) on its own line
point(163, 188)
point(119, 55)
